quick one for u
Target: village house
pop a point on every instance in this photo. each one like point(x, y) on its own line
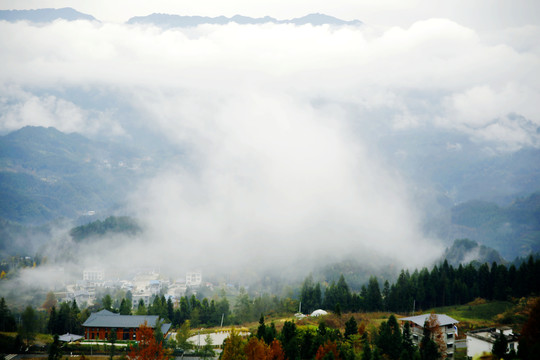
point(482, 340)
point(99, 325)
point(447, 324)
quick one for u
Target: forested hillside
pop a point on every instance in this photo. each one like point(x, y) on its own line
point(46, 174)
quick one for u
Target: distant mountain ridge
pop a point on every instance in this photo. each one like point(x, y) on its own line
point(168, 21)
point(44, 15)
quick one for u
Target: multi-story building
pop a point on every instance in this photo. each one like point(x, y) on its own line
point(447, 324)
point(482, 340)
point(193, 279)
point(93, 275)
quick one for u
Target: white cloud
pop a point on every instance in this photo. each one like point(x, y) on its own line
point(269, 172)
point(507, 117)
point(19, 108)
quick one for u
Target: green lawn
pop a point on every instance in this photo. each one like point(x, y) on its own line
point(482, 314)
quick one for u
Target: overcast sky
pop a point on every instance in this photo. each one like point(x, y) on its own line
point(279, 118)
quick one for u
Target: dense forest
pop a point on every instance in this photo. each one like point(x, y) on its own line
point(112, 224)
point(423, 289)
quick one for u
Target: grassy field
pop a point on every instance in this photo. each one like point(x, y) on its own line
point(483, 311)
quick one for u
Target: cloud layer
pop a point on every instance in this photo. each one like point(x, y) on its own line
point(277, 122)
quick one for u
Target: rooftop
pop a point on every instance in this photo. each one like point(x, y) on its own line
point(420, 320)
point(490, 334)
point(108, 319)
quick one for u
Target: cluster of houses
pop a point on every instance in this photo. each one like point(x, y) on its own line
point(143, 286)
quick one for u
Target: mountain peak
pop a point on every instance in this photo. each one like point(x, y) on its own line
point(44, 15)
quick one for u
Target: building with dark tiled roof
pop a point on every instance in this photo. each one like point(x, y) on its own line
point(99, 325)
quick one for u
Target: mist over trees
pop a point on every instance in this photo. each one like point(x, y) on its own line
point(112, 224)
point(444, 285)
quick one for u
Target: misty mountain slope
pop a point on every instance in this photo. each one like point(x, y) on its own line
point(168, 21)
point(462, 169)
point(17, 239)
point(513, 230)
point(44, 15)
point(46, 174)
point(464, 251)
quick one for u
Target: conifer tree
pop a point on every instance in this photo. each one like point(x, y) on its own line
point(54, 349)
point(500, 346)
point(351, 327)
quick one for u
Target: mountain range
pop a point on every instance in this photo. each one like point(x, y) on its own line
point(172, 21)
point(167, 21)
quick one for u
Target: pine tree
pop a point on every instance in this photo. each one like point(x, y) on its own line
point(500, 346)
point(407, 342)
point(125, 308)
point(351, 327)
point(106, 302)
point(374, 298)
point(141, 308)
point(289, 340)
point(428, 348)
point(170, 309)
point(366, 354)
point(7, 321)
point(261, 330)
point(54, 349)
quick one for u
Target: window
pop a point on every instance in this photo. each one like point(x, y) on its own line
point(450, 336)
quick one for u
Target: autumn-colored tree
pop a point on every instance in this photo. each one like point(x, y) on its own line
point(361, 329)
point(529, 346)
point(437, 334)
point(233, 347)
point(276, 351)
point(324, 350)
point(50, 302)
point(148, 348)
point(256, 349)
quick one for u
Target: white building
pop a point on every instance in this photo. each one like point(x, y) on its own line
point(193, 279)
point(135, 298)
point(93, 275)
point(482, 340)
point(447, 324)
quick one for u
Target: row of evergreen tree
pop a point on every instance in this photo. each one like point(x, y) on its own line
point(442, 286)
point(205, 312)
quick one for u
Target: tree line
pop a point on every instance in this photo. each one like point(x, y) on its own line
point(296, 342)
point(444, 285)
